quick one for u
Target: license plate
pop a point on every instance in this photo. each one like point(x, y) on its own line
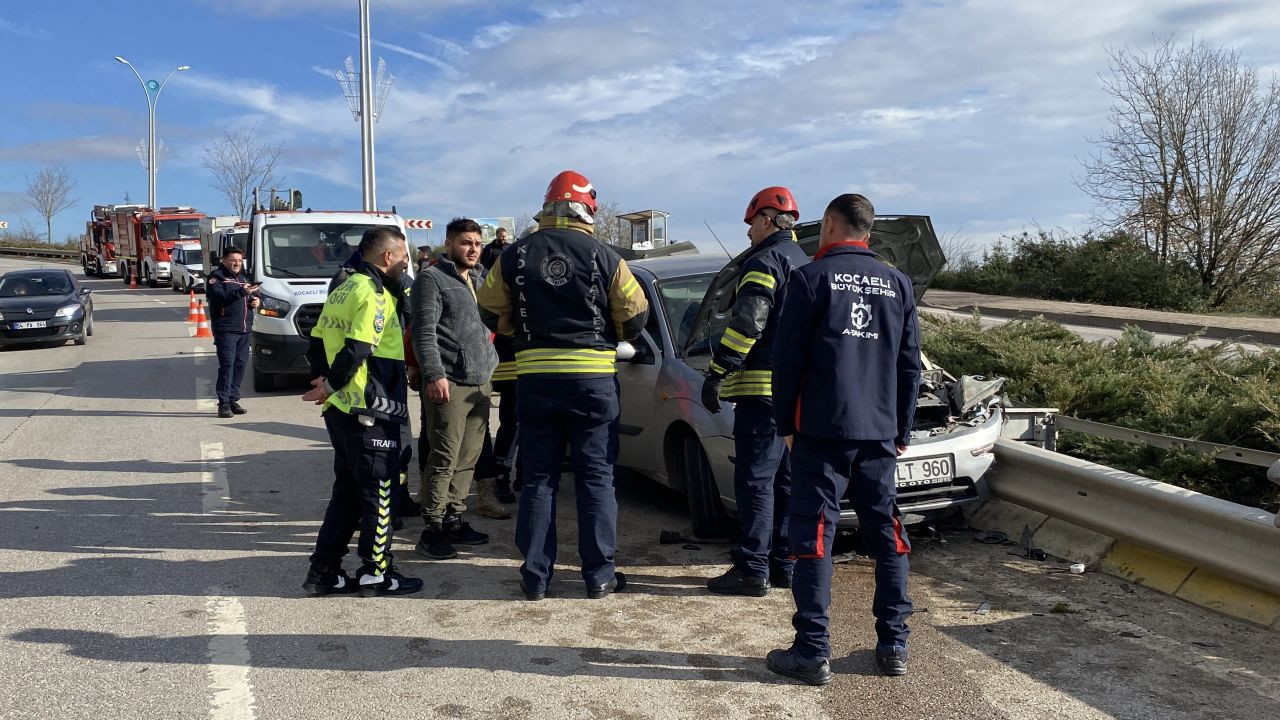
point(30, 325)
point(926, 471)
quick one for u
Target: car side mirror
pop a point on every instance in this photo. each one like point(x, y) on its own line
point(626, 350)
point(85, 291)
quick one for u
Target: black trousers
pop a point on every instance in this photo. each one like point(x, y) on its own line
point(505, 439)
point(366, 468)
point(233, 356)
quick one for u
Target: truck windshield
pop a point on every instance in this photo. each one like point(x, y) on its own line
point(311, 251)
point(178, 229)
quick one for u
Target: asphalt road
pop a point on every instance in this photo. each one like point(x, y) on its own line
point(151, 556)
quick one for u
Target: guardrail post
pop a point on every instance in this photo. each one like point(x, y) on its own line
point(1273, 474)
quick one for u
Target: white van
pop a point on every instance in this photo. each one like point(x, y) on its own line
point(293, 255)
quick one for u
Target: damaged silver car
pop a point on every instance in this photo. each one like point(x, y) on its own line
point(666, 433)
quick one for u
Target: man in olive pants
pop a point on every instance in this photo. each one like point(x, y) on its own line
point(456, 360)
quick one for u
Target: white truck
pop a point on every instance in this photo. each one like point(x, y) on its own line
point(219, 233)
point(293, 255)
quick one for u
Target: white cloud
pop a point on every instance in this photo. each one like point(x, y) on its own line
point(973, 111)
point(13, 28)
point(493, 35)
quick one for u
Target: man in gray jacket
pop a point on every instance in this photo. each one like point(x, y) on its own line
point(456, 359)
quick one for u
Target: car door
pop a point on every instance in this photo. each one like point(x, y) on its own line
point(638, 392)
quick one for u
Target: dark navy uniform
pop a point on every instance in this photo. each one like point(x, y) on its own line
point(231, 320)
point(846, 376)
point(567, 300)
point(744, 359)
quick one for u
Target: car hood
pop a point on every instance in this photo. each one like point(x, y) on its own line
point(906, 242)
point(38, 303)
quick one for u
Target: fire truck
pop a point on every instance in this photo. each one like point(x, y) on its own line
point(144, 238)
point(97, 245)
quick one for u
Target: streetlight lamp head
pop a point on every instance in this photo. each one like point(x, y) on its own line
point(121, 60)
point(184, 67)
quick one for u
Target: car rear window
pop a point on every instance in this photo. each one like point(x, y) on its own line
point(681, 298)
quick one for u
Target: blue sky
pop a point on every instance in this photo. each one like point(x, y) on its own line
point(973, 111)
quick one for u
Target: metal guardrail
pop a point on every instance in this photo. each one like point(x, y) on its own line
point(1230, 539)
point(1247, 456)
point(47, 253)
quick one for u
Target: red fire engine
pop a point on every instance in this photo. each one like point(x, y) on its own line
point(144, 238)
point(97, 245)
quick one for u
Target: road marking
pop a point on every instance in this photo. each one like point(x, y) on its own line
point(205, 400)
point(230, 691)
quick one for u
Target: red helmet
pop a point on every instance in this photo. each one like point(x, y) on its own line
point(572, 186)
point(776, 197)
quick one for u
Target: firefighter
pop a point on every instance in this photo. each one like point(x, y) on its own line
point(740, 371)
point(567, 300)
point(357, 349)
point(846, 375)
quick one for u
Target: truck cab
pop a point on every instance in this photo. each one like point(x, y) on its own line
point(161, 230)
point(293, 255)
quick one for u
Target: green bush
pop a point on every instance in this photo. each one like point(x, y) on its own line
point(1215, 394)
point(1113, 269)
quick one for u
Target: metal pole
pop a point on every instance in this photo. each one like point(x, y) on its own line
point(151, 124)
point(366, 112)
point(151, 155)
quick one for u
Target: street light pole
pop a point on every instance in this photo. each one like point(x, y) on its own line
point(366, 113)
point(152, 90)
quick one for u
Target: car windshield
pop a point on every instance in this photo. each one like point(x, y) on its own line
point(176, 229)
point(681, 298)
point(318, 250)
point(190, 254)
point(33, 284)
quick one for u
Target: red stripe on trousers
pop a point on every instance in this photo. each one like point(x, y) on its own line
point(902, 547)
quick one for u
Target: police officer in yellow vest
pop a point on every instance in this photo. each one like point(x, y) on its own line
point(357, 348)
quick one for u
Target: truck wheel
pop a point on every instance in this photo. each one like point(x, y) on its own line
point(124, 272)
point(263, 382)
point(88, 268)
point(152, 282)
point(706, 511)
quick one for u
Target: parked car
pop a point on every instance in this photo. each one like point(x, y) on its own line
point(44, 306)
point(666, 433)
point(186, 268)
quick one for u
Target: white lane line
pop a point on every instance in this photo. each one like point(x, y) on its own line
point(205, 400)
point(230, 690)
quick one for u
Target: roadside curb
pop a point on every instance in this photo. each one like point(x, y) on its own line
point(1163, 327)
point(1131, 562)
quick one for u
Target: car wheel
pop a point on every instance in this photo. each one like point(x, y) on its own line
point(88, 328)
point(263, 382)
point(706, 511)
point(83, 338)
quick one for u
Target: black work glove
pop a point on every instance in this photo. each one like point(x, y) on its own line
point(711, 394)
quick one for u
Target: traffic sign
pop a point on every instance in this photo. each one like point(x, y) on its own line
point(4, 224)
point(417, 224)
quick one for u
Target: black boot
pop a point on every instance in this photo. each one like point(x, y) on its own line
point(734, 582)
point(461, 533)
point(435, 544)
point(502, 489)
point(789, 663)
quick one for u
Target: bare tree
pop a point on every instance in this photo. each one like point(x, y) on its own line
point(607, 224)
point(50, 193)
point(1191, 162)
point(241, 162)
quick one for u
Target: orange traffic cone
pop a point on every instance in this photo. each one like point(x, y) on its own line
point(202, 322)
point(133, 277)
point(193, 313)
